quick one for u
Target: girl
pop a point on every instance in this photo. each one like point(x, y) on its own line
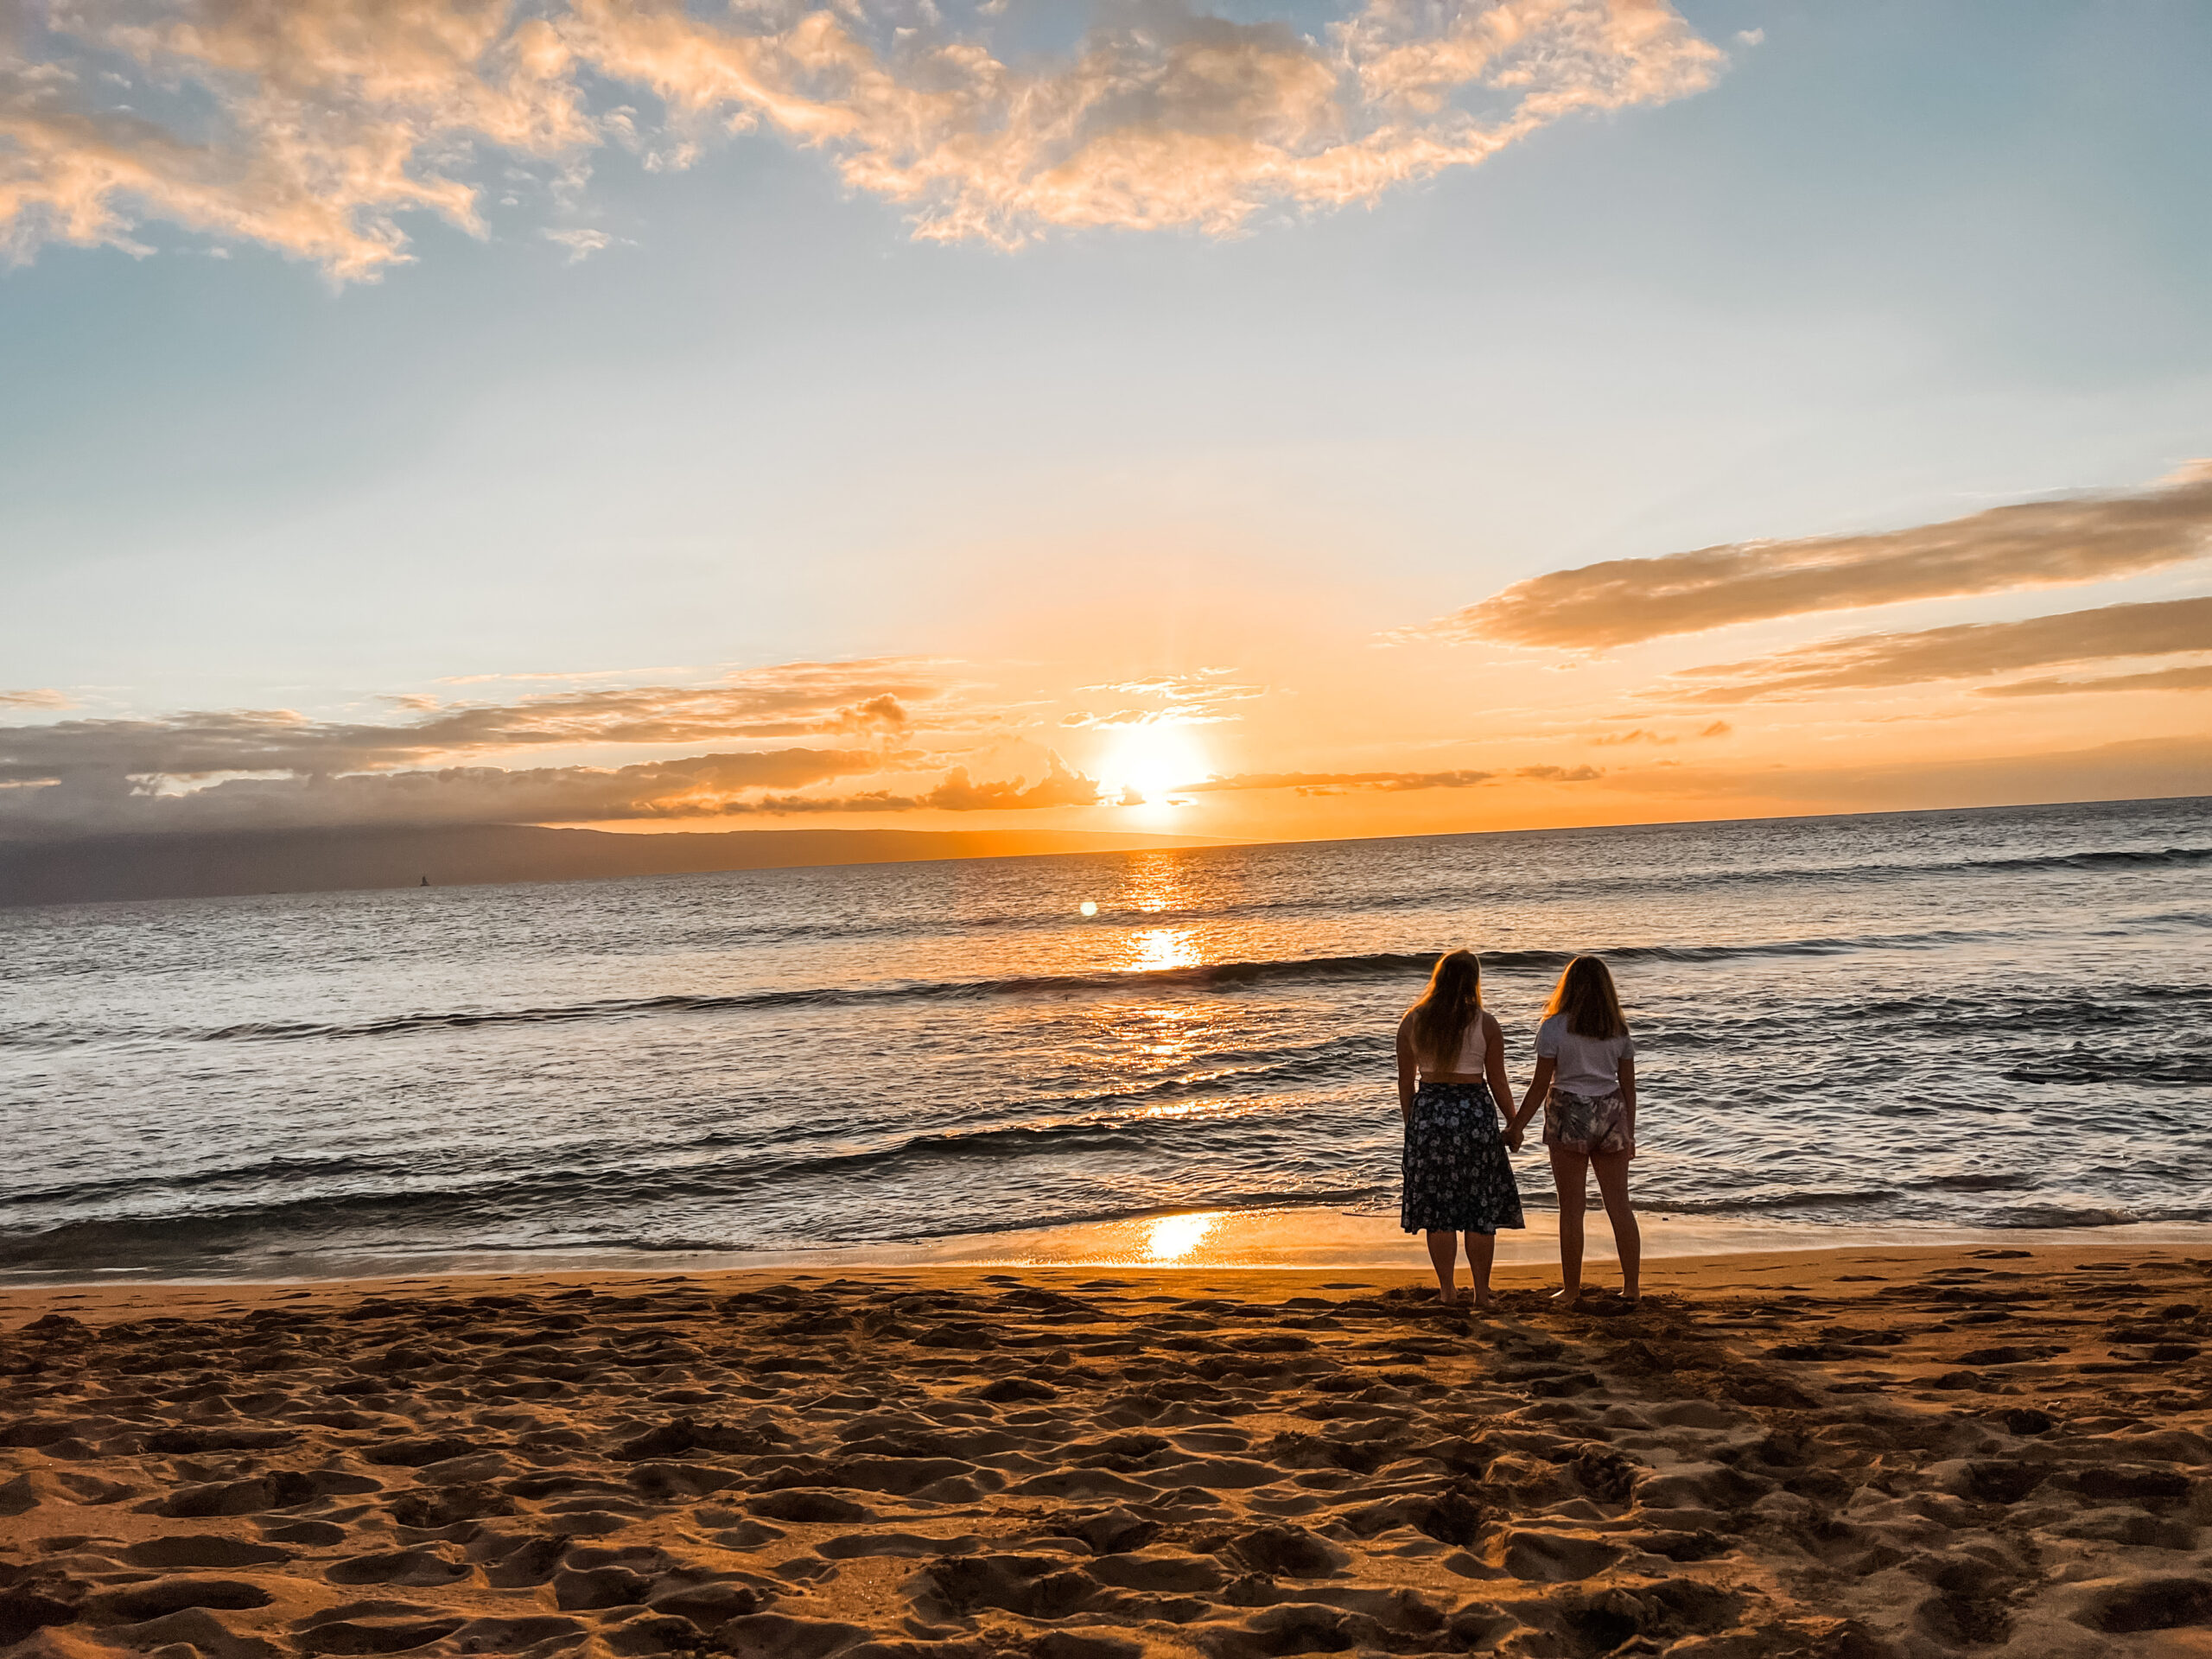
point(1457, 1179)
point(1585, 1078)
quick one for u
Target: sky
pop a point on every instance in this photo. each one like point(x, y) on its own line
point(1275, 421)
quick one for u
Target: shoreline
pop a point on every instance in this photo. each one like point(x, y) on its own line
point(1833, 1270)
point(1280, 1239)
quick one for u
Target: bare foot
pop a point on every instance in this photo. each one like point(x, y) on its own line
point(1483, 1298)
point(1567, 1300)
point(1631, 1295)
point(1444, 1293)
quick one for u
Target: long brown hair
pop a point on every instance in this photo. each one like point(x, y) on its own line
point(1586, 995)
point(1452, 1002)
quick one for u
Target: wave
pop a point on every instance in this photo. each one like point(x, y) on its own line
point(1209, 977)
point(2084, 1065)
point(1336, 902)
point(1786, 1199)
point(2114, 859)
point(397, 1193)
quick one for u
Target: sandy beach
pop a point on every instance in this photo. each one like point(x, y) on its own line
point(1845, 1453)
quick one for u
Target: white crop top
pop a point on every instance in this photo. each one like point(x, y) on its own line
point(1474, 1048)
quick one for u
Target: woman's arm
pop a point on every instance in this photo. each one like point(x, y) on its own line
point(1406, 1071)
point(1628, 1092)
point(1539, 1086)
point(1501, 1086)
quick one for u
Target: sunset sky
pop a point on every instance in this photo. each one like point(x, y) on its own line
point(1284, 420)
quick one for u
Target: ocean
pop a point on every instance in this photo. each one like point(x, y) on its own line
point(1996, 1018)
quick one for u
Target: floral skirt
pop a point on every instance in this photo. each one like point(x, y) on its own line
point(1458, 1178)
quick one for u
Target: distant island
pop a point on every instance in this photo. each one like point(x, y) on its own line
point(324, 861)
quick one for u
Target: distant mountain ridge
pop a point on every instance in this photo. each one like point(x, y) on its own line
point(325, 861)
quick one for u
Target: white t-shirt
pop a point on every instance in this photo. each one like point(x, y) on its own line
point(1587, 1065)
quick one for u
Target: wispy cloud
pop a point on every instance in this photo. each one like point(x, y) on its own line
point(1338, 782)
point(2028, 545)
point(431, 763)
point(1969, 650)
point(580, 242)
point(100, 800)
point(2199, 678)
point(39, 697)
point(855, 699)
point(313, 126)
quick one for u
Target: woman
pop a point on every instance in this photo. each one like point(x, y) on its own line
point(1585, 1081)
point(1451, 1077)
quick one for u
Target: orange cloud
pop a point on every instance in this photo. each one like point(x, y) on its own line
point(1869, 661)
point(316, 124)
point(2029, 544)
point(2199, 678)
point(1337, 783)
point(251, 768)
point(865, 698)
point(1332, 782)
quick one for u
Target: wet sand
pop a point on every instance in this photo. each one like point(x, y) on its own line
point(1846, 1452)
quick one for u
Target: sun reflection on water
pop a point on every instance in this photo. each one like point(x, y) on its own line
point(1153, 948)
point(1172, 1238)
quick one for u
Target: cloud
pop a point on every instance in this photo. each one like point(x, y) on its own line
point(1872, 661)
point(695, 787)
point(1201, 698)
point(1331, 782)
point(582, 243)
point(313, 126)
point(307, 126)
point(2029, 544)
point(2139, 769)
point(38, 698)
point(1338, 782)
point(2199, 678)
point(1059, 787)
point(107, 801)
point(862, 698)
point(240, 769)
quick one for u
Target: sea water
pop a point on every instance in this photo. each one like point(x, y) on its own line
point(1991, 1018)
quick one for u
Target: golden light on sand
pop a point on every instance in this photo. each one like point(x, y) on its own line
point(1172, 1238)
point(1149, 761)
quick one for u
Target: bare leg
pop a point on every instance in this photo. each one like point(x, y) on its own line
point(1612, 1170)
point(1443, 1254)
point(1481, 1248)
point(1569, 1173)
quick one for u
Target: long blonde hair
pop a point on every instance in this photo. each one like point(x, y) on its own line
point(1452, 1002)
point(1586, 995)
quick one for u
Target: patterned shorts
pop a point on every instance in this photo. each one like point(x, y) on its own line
point(1594, 1125)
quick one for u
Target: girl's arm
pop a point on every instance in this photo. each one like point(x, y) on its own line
point(1501, 1086)
point(1539, 1086)
point(1628, 1092)
point(1406, 1069)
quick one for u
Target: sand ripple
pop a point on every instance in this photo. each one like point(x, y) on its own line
point(1989, 1456)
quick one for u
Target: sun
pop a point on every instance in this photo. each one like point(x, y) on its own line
point(1149, 761)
